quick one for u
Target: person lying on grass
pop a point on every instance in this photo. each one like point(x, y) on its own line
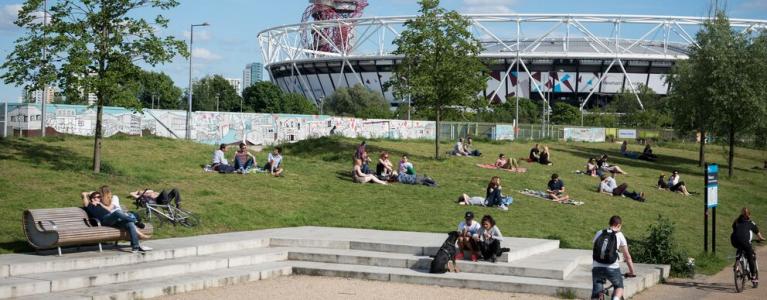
point(625, 151)
point(464, 199)
point(467, 230)
point(274, 162)
point(556, 189)
point(504, 162)
point(360, 177)
point(489, 239)
point(610, 187)
point(606, 167)
point(162, 197)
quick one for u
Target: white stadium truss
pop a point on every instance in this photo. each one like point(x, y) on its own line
point(598, 44)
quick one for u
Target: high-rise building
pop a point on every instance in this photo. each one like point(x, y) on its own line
point(236, 84)
point(253, 73)
point(37, 96)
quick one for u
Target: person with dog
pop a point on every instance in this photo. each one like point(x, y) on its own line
point(610, 187)
point(444, 259)
point(274, 162)
point(96, 209)
point(607, 243)
point(467, 230)
point(556, 189)
point(743, 231)
point(243, 159)
point(489, 239)
point(219, 157)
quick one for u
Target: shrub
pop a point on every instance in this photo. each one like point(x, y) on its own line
point(658, 248)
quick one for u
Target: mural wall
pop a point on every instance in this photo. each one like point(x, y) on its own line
point(212, 127)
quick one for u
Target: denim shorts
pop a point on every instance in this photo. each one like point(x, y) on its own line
point(598, 274)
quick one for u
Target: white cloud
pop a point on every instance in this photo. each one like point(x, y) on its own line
point(204, 54)
point(9, 14)
point(199, 35)
point(488, 6)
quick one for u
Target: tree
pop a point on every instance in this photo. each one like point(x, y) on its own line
point(266, 97)
point(157, 90)
point(564, 113)
point(357, 101)
point(440, 65)
point(90, 46)
point(214, 93)
point(294, 103)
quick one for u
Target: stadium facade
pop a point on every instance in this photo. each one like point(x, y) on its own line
point(582, 59)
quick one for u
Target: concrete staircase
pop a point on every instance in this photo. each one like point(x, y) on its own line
point(181, 265)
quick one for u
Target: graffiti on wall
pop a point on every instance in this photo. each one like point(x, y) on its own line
point(212, 127)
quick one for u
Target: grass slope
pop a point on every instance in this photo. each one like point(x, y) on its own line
point(317, 190)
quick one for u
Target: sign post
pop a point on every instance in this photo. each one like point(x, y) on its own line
point(711, 200)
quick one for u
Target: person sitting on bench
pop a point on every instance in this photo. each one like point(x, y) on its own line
point(243, 159)
point(274, 162)
point(219, 157)
point(97, 210)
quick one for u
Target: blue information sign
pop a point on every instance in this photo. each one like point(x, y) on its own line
point(712, 185)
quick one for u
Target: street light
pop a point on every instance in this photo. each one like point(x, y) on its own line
point(189, 99)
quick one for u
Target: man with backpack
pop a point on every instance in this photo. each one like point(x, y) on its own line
point(607, 243)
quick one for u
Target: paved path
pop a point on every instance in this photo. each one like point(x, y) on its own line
point(719, 286)
point(311, 287)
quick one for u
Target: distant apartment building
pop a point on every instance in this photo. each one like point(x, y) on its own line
point(236, 83)
point(253, 73)
point(38, 96)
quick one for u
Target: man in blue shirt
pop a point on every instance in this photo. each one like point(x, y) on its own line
point(556, 189)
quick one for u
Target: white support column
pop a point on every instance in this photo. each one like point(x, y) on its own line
point(503, 81)
point(631, 85)
point(585, 101)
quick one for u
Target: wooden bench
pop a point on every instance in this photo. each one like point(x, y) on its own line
point(56, 227)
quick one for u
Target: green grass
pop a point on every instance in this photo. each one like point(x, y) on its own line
point(317, 190)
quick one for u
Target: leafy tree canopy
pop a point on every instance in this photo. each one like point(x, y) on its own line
point(357, 101)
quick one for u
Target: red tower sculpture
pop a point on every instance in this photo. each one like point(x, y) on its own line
point(332, 37)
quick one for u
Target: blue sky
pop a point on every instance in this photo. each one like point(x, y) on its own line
point(230, 42)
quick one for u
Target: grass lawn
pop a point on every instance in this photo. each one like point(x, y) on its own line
point(317, 190)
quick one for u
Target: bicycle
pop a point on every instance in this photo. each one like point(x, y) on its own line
point(165, 213)
point(605, 292)
point(741, 272)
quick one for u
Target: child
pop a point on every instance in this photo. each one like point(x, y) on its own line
point(489, 239)
point(467, 230)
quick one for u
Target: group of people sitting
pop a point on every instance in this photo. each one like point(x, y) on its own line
point(385, 171)
point(598, 167)
point(244, 162)
point(494, 196)
point(645, 155)
point(462, 148)
point(482, 239)
point(540, 155)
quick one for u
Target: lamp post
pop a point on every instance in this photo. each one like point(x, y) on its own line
point(322, 98)
point(45, 59)
point(191, 90)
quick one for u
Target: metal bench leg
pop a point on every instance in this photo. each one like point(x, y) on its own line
point(59, 248)
point(100, 247)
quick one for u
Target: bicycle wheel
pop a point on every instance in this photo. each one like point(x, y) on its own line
point(737, 271)
point(186, 218)
point(156, 218)
point(756, 283)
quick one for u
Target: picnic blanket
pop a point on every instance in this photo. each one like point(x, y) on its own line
point(490, 166)
point(545, 196)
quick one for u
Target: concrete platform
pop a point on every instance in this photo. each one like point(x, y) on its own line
point(185, 264)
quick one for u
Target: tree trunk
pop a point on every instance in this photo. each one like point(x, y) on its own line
point(702, 151)
point(436, 135)
point(97, 137)
point(731, 155)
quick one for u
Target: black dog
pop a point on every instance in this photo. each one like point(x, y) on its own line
point(444, 260)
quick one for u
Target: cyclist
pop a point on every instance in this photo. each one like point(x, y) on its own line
point(743, 230)
point(607, 243)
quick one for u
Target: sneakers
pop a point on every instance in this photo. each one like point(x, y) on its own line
point(505, 250)
point(503, 207)
point(140, 225)
point(459, 256)
point(142, 249)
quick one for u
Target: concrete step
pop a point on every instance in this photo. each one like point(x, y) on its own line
point(171, 285)
point(579, 287)
point(68, 280)
point(555, 264)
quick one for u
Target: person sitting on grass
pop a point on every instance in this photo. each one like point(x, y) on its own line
point(606, 167)
point(458, 149)
point(493, 194)
point(467, 230)
point(96, 209)
point(362, 154)
point(677, 185)
point(384, 168)
point(534, 154)
point(274, 162)
point(506, 163)
point(662, 182)
point(545, 156)
point(243, 159)
point(219, 157)
point(647, 153)
point(406, 171)
point(609, 186)
point(625, 150)
point(467, 147)
point(556, 189)
point(591, 167)
point(489, 239)
point(360, 177)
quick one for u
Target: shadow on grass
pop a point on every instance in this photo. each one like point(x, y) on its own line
point(39, 154)
point(615, 157)
point(339, 149)
point(16, 246)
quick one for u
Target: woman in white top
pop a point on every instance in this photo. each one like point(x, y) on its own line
point(676, 185)
point(489, 239)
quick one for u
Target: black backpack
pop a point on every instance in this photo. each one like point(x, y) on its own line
point(605, 248)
